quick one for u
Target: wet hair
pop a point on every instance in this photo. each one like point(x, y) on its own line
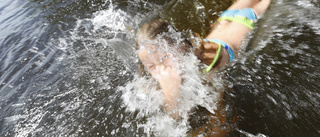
point(150, 31)
point(154, 28)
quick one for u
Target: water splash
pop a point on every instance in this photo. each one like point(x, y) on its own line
point(80, 81)
point(144, 96)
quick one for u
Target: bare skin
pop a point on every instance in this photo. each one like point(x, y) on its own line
point(167, 74)
point(232, 33)
point(170, 82)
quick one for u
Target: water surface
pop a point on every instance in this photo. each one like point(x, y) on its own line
point(66, 68)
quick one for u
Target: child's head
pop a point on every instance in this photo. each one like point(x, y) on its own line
point(158, 44)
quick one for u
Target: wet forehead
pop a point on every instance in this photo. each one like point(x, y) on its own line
point(155, 56)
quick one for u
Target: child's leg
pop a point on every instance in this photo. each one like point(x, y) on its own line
point(261, 7)
point(241, 4)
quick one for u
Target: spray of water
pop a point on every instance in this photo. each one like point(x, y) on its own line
point(93, 67)
point(101, 88)
point(143, 94)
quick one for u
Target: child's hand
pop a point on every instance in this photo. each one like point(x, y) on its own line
point(206, 53)
point(170, 80)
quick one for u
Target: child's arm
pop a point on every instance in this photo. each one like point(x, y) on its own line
point(170, 82)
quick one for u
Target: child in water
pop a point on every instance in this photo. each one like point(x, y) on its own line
point(219, 48)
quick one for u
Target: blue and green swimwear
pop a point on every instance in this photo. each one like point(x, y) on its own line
point(246, 16)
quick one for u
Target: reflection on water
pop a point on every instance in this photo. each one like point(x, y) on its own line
point(69, 68)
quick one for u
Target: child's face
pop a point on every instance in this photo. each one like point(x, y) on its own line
point(151, 58)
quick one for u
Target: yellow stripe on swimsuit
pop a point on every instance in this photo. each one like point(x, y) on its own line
point(243, 16)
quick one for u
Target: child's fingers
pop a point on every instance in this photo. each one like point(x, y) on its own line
point(198, 37)
point(211, 46)
point(208, 55)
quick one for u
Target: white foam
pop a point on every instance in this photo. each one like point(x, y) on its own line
point(143, 95)
point(29, 122)
point(110, 18)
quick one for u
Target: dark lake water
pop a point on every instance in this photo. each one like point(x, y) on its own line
point(69, 68)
